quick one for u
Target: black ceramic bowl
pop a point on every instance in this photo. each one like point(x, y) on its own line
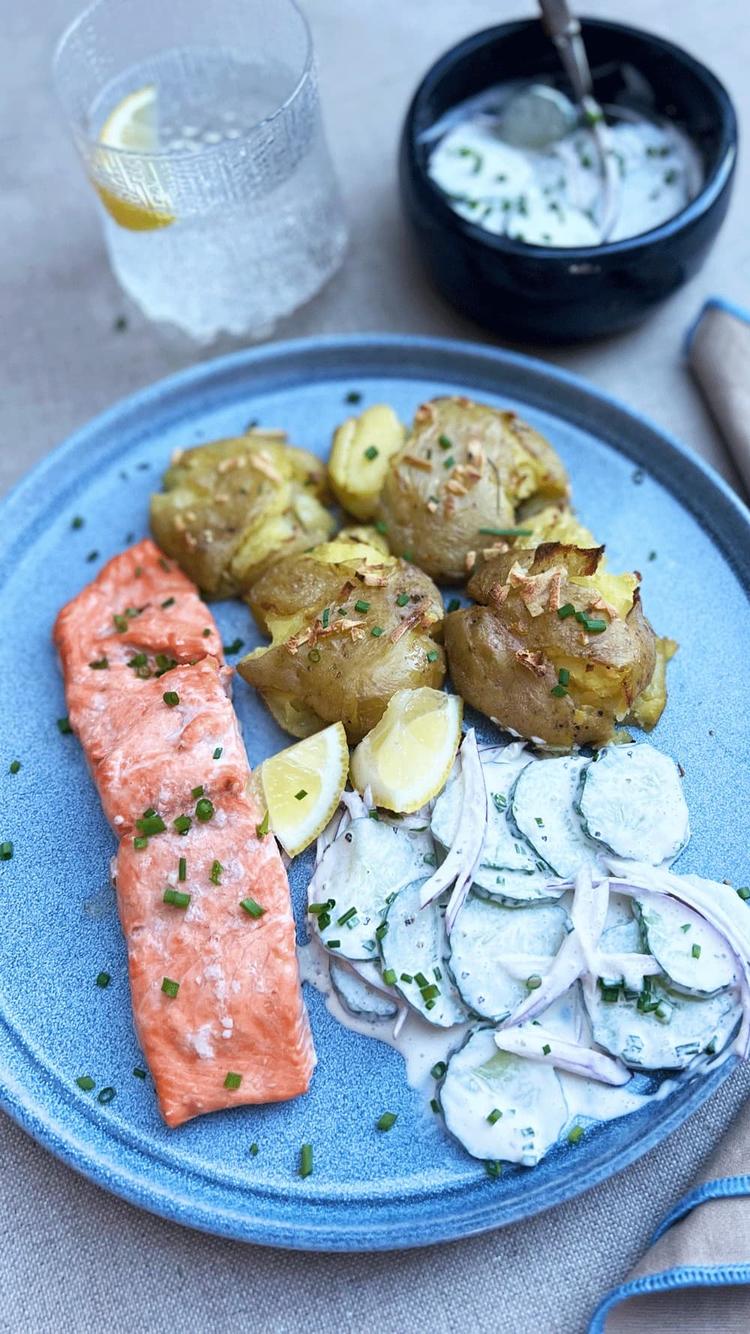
point(559, 295)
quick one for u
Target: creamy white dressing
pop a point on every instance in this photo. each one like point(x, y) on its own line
point(552, 196)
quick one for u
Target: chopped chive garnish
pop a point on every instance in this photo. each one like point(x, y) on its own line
point(86, 1083)
point(533, 982)
point(253, 1150)
point(507, 532)
point(76, 521)
point(546, 1049)
point(64, 727)
point(6, 851)
point(389, 976)
point(744, 892)
point(595, 626)
point(558, 691)
point(438, 1069)
point(215, 873)
point(346, 917)
point(381, 931)
point(218, 752)
point(371, 453)
point(402, 599)
point(169, 987)
point(376, 631)
point(252, 908)
point(171, 698)
point(182, 868)
point(433, 655)
point(563, 676)
point(421, 980)
point(315, 909)
point(232, 1080)
point(361, 605)
point(438, 972)
point(14, 766)
point(429, 1005)
point(430, 992)
point(353, 396)
point(325, 618)
point(454, 604)
point(204, 810)
point(386, 1121)
point(324, 921)
point(493, 1170)
point(575, 1134)
point(235, 646)
point(300, 796)
point(262, 829)
point(381, 527)
point(92, 556)
point(103, 979)
point(435, 1105)
point(182, 823)
point(140, 842)
point(306, 1160)
point(139, 1072)
point(332, 944)
point(449, 462)
point(445, 442)
point(207, 632)
point(686, 927)
point(196, 792)
point(100, 664)
point(696, 951)
point(106, 1096)
point(494, 1115)
point(565, 611)
point(150, 824)
point(168, 602)
point(176, 898)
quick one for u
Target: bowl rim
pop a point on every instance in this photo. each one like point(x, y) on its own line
point(710, 191)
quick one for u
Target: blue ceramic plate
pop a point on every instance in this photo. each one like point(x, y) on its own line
point(662, 512)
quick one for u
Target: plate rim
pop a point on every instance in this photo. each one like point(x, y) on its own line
point(696, 486)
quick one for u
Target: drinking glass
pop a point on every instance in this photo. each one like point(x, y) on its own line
point(199, 126)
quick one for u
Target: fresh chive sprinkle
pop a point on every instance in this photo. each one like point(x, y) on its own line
point(685, 927)
point(575, 1134)
point(421, 980)
point(402, 599)
point(325, 617)
point(235, 646)
point(454, 604)
point(171, 698)
point(215, 873)
point(558, 691)
point(150, 824)
point(381, 931)
point(139, 1072)
point(429, 1005)
point(76, 521)
point(306, 1160)
point(232, 1080)
point(182, 868)
point(140, 842)
point(435, 1105)
point(389, 976)
point(252, 908)
point(169, 987)
point(449, 462)
point(445, 442)
point(346, 917)
point(218, 752)
point(176, 898)
point(565, 611)
point(507, 532)
point(64, 727)
point(262, 829)
point(6, 851)
point(196, 792)
point(182, 823)
point(361, 605)
point(371, 452)
point(595, 625)
point(430, 992)
point(106, 1096)
point(168, 602)
point(494, 1115)
point(204, 810)
point(696, 951)
point(332, 944)
point(744, 892)
point(438, 1069)
point(438, 974)
point(533, 982)
point(433, 655)
point(100, 664)
point(253, 1150)
point(14, 766)
point(353, 396)
point(315, 909)
point(376, 631)
point(546, 1049)
point(387, 1121)
point(103, 979)
point(563, 676)
point(93, 555)
point(86, 1083)
point(493, 1170)
point(206, 632)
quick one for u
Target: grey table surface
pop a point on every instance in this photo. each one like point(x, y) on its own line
point(71, 1256)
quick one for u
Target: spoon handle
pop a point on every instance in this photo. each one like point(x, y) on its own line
point(564, 30)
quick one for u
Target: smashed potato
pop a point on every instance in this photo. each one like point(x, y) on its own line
point(360, 454)
point(231, 507)
point(466, 475)
point(350, 626)
point(557, 648)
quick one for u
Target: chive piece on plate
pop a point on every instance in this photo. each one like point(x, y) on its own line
point(306, 1160)
point(176, 898)
point(494, 1116)
point(103, 979)
point(169, 987)
point(204, 810)
point(386, 1121)
point(106, 1096)
point(215, 873)
point(171, 698)
point(64, 727)
point(182, 823)
point(86, 1083)
point(218, 752)
point(232, 1080)
point(182, 868)
point(252, 908)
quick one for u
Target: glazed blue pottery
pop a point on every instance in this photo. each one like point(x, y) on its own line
point(547, 294)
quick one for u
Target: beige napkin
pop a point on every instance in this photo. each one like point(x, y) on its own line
point(718, 353)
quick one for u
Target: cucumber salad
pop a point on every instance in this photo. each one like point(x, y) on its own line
point(528, 926)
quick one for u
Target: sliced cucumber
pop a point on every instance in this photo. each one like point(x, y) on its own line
point(543, 809)
point(501, 1107)
point(665, 1037)
point(502, 848)
point(414, 948)
point(361, 998)
point(484, 935)
point(689, 949)
point(360, 870)
point(632, 801)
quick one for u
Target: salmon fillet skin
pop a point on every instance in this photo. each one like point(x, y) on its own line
point(203, 897)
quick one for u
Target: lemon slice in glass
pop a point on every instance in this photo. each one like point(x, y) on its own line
point(302, 786)
point(132, 126)
point(406, 758)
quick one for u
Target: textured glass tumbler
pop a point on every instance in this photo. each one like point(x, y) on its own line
point(199, 127)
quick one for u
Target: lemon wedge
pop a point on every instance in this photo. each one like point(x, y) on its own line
point(133, 126)
point(406, 758)
point(302, 786)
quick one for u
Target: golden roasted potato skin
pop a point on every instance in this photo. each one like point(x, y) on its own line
point(464, 467)
point(229, 507)
point(505, 661)
point(340, 671)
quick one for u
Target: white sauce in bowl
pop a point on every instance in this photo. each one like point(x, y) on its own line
point(552, 196)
